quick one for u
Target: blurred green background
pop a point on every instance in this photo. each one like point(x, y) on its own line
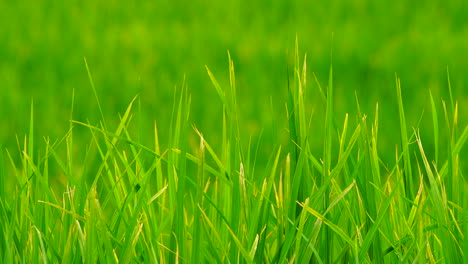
point(146, 47)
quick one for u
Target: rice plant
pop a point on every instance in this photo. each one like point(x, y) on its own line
point(120, 200)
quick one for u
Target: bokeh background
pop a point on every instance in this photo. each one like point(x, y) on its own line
point(146, 48)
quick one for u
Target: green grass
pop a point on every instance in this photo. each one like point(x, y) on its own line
point(120, 200)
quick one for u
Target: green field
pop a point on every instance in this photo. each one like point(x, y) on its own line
point(245, 131)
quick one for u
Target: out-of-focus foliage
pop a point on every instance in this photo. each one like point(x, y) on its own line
point(146, 47)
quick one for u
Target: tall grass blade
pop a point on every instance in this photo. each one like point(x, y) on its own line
point(404, 142)
point(93, 87)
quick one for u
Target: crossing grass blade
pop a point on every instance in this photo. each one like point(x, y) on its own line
point(376, 225)
point(335, 228)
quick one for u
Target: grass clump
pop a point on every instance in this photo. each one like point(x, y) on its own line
point(128, 202)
